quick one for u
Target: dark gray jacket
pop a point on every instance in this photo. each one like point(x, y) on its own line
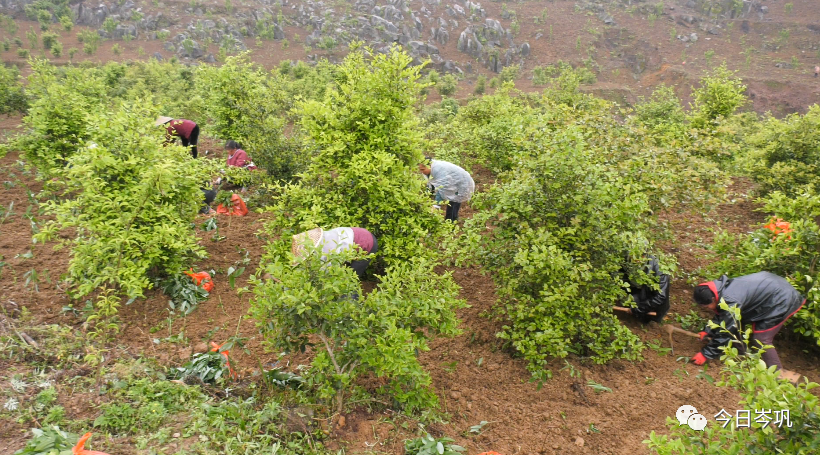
point(765, 300)
point(647, 297)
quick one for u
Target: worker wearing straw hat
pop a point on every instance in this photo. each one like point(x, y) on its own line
point(338, 240)
point(186, 130)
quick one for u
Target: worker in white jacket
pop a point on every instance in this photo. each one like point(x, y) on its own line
point(450, 183)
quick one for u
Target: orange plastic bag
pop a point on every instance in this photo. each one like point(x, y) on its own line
point(778, 226)
point(202, 279)
point(489, 453)
point(215, 348)
point(79, 450)
point(239, 208)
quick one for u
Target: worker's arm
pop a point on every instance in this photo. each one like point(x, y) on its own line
point(720, 337)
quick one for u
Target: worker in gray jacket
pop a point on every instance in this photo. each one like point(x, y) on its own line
point(766, 301)
point(450, 183)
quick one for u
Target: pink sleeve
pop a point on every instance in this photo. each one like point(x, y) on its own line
point(241, 158)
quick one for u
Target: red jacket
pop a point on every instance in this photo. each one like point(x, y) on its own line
point(238, 159)
point(180, 128)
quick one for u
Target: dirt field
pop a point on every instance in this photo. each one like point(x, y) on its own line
point(476, 379)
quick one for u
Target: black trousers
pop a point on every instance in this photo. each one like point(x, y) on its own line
point(452, 211)
point(361, 265)
point(192, 141)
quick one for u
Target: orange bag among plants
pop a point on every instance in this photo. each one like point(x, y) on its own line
point(778, 226)
point(80, 450)
point(201, 279)
point(238, 209)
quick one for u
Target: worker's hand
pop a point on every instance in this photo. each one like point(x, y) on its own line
point(699, 359)
point(702, 335)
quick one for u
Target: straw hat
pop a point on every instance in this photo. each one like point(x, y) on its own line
point(297, 245)
point(162, 120)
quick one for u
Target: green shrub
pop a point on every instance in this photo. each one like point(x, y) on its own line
point(761, 393)
point(133, 203)
point(509, 73)
point(480, 85)
point(50, 439)
point(662, 111)
point(49, 39)
point(447, 85)
point(720, 94)
point(44, 18)
point(12, 95)
point(247, 106)
point(67, 22)
point(378, 334)
point(365, 173)
point(57, 49)
point(785, 153)
point(22, 53)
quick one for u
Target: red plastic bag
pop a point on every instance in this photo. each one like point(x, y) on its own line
point(215, 348)
point(202, 279)
point(239, 208)
point(778, 226)
point(79, 450)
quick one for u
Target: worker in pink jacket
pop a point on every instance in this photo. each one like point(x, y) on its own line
point(186, 130)
point(236, 156)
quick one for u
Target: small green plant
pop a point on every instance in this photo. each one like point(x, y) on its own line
point(480, 85)
point(447, 85)
point(49, 39)
point(44, 18)
point(6, 45)
point(788, 7)
point(22, 53)
point(285, 43)
point(428, 445)
point(709, 55)
point(163, 35)
point(33, 39)
point(209, 367)
point(184, 294)
point(110, 25)
point(673, 33)
point(72, 52)
point(57, 49)
point(66, 22)
point(229, 6)
point(116, 49)
point(49, 440)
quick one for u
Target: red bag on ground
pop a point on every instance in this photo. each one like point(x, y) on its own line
point(239, 208)
point(202, 279)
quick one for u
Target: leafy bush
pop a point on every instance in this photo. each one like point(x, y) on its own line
point(760, 389)
point(133, 202)
point(365, 173)
point(447, 85)
point(554, 234)
point(57, 118)
point(786, 153)
point(793, 255)
point(67, 22)
point(509, 73)
point(661, 111)
point(480, 85)
point(209, 367)
point(49, 39)
point(245, 106)
point(57, 49)
point(378, 334)
point(720, 94)
point(12, 95)
point(543, 75)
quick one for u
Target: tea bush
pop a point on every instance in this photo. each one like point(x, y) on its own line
point(379, 333)
point(554, 234)
point(785, 153)
point(245, 106)
point(132, 204)
point(365, 171)
point(721, 94)
point(12, 95)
